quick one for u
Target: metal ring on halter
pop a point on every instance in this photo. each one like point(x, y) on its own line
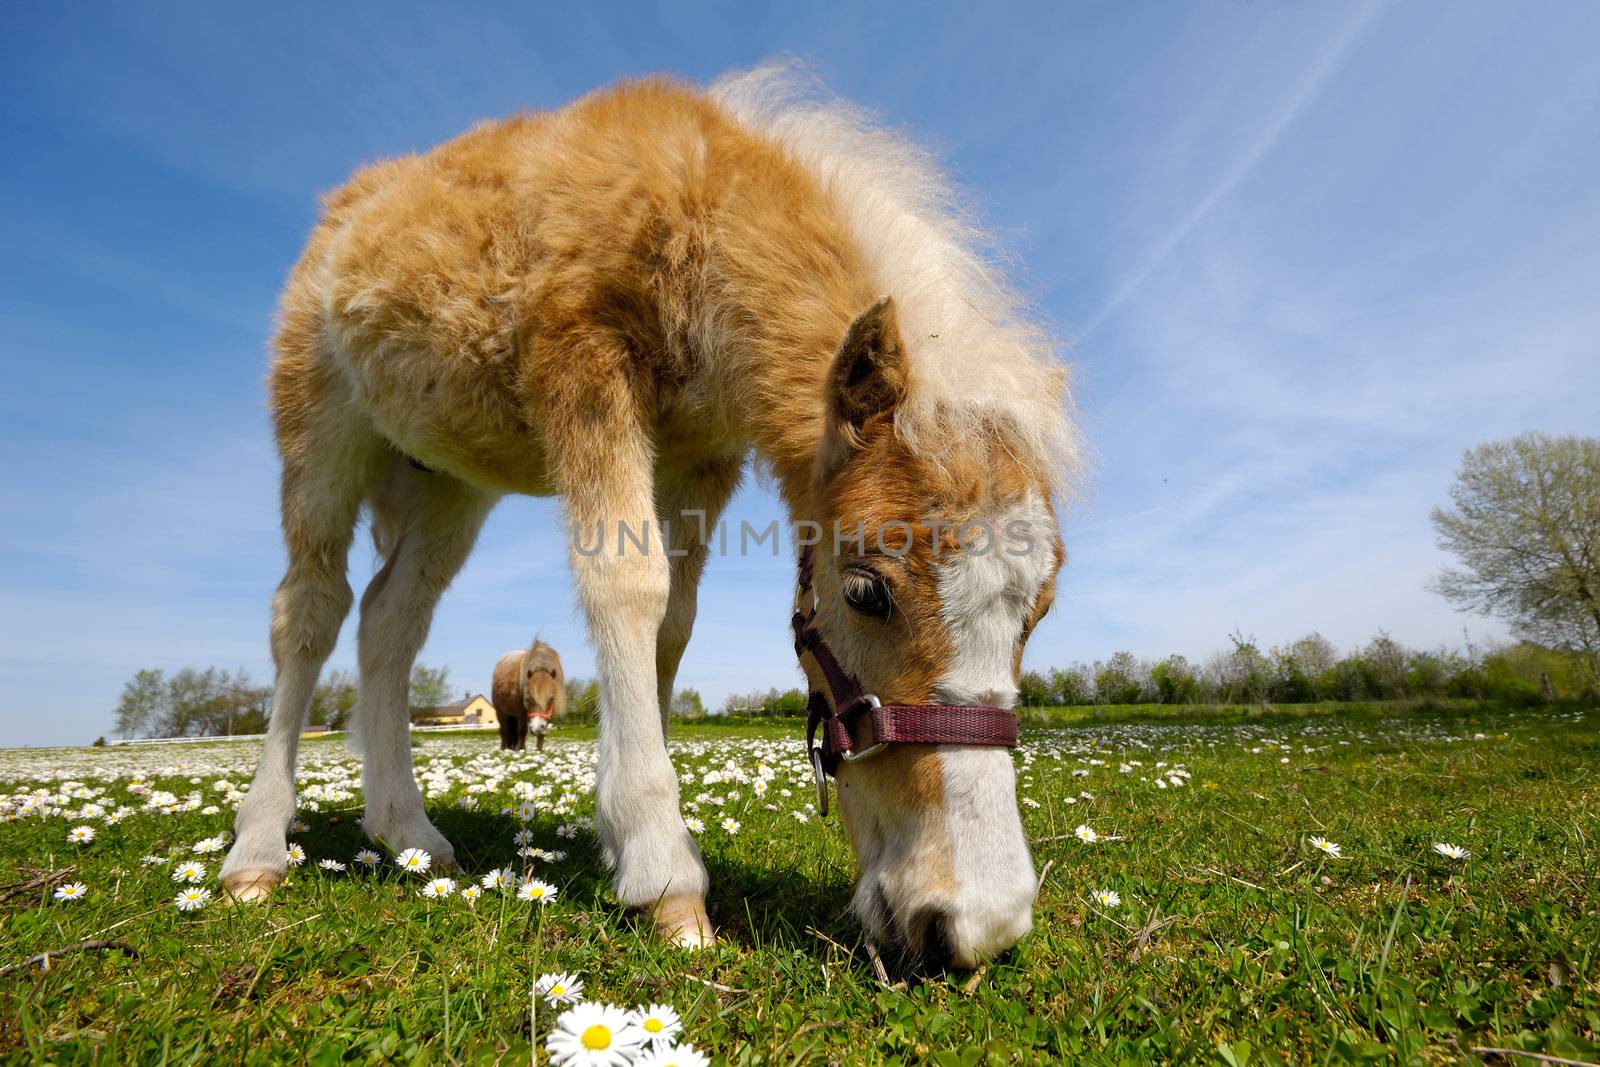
point(873, 749)
point(822, 782)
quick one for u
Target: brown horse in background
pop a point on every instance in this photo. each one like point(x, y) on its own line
point(529, 691)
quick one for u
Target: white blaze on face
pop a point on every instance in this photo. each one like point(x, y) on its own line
point(986, 597)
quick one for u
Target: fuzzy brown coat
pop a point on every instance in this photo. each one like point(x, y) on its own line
point(529, 689)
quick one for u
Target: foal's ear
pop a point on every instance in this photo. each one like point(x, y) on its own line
point(869, 373)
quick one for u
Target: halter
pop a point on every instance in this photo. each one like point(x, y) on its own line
point(837, 698)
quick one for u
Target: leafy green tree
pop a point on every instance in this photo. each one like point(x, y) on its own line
point(686, 704)
point(1119, 680)
point(430, 686)
point(139, 710)
point(1525, 524)
point(334, 700)
point(1033, 690)
point(1175, 681)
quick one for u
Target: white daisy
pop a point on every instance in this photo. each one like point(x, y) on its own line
point(295, 855)
point(439, 887)
point(72, 891)
point(331, 865)
point(1455, 852)
point(594, 1035)
point(535, 890)
point(413, 859)
point(659, 1022)
point(192, 898)
point(1322, 844)
point(368, 858)
point(730, 824)
point(559, 988)
point(1086, 835)
point(471, 893)
point(499, 878)
point(696, 826)
point(189, 871)
point(673, 1056)
point(1107, 898)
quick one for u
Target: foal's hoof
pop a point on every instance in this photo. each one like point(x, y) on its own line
point(683, 921)
point(245, 886)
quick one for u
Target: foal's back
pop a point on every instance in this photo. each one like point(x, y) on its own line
point(440, 292)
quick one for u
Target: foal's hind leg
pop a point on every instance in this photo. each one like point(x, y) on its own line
point(428, 522)
point(328, 468)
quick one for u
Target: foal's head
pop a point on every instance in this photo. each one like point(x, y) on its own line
point(957, 566)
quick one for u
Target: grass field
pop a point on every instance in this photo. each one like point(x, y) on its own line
point(1236, 941)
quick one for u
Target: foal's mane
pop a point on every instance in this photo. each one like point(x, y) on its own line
point(982, 363)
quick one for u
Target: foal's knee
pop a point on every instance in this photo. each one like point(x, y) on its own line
point(307, 611)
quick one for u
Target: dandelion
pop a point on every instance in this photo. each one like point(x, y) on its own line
point(295, 855)
point(558, 989)
point(190, 871)
point(1086, 835)
point(331, 865)
point(676, 1056)
point(594, 1035)
point(368, 858)
point(1322, 844)
point(471, 894)
point(659, 1022)
point(1454, 852)
point(414, 859)
point(72, 891)
point(1107, 898)
point(538, 892)
point(439, 887)
point(499, 878)
point(730, 824)
point(192, 898)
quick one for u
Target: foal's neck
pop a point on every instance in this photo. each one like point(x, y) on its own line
point(788, 282)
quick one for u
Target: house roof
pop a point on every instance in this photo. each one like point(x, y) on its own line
point(445, 711)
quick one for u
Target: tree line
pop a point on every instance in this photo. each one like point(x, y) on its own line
point(212, 702)
point(1311, 669)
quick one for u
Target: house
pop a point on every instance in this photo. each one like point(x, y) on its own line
point(472, 710)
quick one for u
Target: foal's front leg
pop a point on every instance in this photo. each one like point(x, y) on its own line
point(623, 590)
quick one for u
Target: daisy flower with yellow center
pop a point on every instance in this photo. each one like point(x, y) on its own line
point(1107, 898)
point(189, 871)
point(659, 1022)
point(439, 887)
point(295, 855)
point(594, 1035)
point(538, 892)
point(192, 898)
point(413, 859)
point(559, 988)
point(499, 878)
point(1086, 835)
point(1455, 852)
point(471, 894)
point(81, 835)
point(72, 891)
point(675, 1056)
point(1322, 844)
point(368, 858)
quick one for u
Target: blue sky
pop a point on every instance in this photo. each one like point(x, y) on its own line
point(1304, 254)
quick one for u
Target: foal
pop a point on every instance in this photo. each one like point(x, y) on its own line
point(529, 689)
point(618, 302)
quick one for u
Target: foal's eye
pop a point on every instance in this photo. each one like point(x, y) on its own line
point(867, 593)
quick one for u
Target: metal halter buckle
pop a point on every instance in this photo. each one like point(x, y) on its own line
point(874, 748)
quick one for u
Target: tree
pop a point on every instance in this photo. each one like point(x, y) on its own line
point(1120, 680)
point(140, 707)
point(430, 686)
point(1525, 523)
point(334, 699)
point(1175, 681)
point(686, 704)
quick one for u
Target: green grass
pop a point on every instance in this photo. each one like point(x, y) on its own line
point(1236, 942)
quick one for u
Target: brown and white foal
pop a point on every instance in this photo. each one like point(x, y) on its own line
point(619, 302)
